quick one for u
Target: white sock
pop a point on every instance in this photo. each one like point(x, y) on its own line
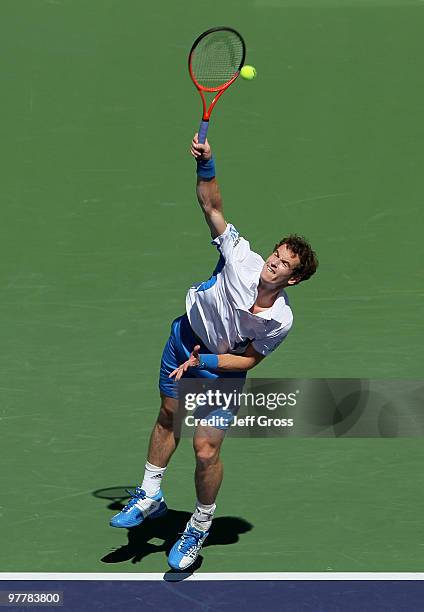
point(202, 516)
point(152, 479)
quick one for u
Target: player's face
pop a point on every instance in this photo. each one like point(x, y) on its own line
point(279, 267)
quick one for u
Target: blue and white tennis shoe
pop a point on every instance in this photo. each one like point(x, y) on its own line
point(139, 508)
point(185, 551)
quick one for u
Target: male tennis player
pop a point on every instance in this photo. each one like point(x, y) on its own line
point(232, 321)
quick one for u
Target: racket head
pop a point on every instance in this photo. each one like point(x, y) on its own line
point(216, 58)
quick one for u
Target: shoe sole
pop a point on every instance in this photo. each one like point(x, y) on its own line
point(154, 515)
point(182, 569)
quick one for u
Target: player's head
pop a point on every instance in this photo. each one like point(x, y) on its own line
point(291, 262)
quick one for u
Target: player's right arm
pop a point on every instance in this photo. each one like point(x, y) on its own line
point(208, 193)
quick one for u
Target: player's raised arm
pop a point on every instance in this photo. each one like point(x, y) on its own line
point(207, 188)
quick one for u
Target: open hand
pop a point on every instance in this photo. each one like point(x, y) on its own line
point(191, 362)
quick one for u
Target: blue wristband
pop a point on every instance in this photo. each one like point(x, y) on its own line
point(206, 168)
point(208, 361)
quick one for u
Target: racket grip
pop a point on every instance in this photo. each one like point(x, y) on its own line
point(203, 131)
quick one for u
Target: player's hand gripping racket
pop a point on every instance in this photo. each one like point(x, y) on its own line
point(214, 63)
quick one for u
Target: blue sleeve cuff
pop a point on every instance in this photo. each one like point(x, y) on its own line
point(206, 168)
point(208, 362)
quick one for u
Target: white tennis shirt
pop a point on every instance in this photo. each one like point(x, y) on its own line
point(218, 309)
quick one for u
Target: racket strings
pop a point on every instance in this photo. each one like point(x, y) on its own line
point(217, 58)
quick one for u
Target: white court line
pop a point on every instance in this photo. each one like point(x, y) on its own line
point(287, 576)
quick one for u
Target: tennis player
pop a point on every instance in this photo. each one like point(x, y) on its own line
point(232, 321)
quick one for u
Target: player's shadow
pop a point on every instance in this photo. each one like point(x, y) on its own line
point(224, 530)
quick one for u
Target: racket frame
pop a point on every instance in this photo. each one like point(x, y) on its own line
point(220, 90)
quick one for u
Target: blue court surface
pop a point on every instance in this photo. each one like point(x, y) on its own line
point(174, 593)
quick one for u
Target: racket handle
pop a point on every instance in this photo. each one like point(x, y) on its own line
point(203, 131)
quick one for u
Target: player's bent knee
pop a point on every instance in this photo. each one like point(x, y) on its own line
point(165, 419)
point(167, 412)
point(206, 453)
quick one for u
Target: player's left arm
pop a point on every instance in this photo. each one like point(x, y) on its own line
point(239, 363)
point(221, 363)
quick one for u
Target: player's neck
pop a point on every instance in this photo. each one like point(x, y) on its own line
point(266, 296)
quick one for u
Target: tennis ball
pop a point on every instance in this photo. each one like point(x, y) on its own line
point(248, 73)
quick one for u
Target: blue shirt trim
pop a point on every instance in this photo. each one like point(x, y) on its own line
point(212, 280)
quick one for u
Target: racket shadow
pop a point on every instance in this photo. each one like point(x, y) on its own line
point(164, 531)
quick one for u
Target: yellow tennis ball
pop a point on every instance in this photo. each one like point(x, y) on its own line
point(248, 73)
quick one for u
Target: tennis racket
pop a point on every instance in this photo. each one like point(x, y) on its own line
point(214, 63)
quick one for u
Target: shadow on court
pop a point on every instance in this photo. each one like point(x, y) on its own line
point(164, 531)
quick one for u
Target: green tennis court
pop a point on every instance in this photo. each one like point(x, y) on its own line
point(101, 236)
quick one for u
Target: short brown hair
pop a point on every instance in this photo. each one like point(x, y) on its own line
point(308, 258)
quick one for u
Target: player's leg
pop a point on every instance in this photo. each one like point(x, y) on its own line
point(207, 443)
point(163, 440)
point(147, 500)
point(209, 470)
point(165, 434)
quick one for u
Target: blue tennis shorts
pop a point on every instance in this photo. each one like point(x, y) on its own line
point(177, 350)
